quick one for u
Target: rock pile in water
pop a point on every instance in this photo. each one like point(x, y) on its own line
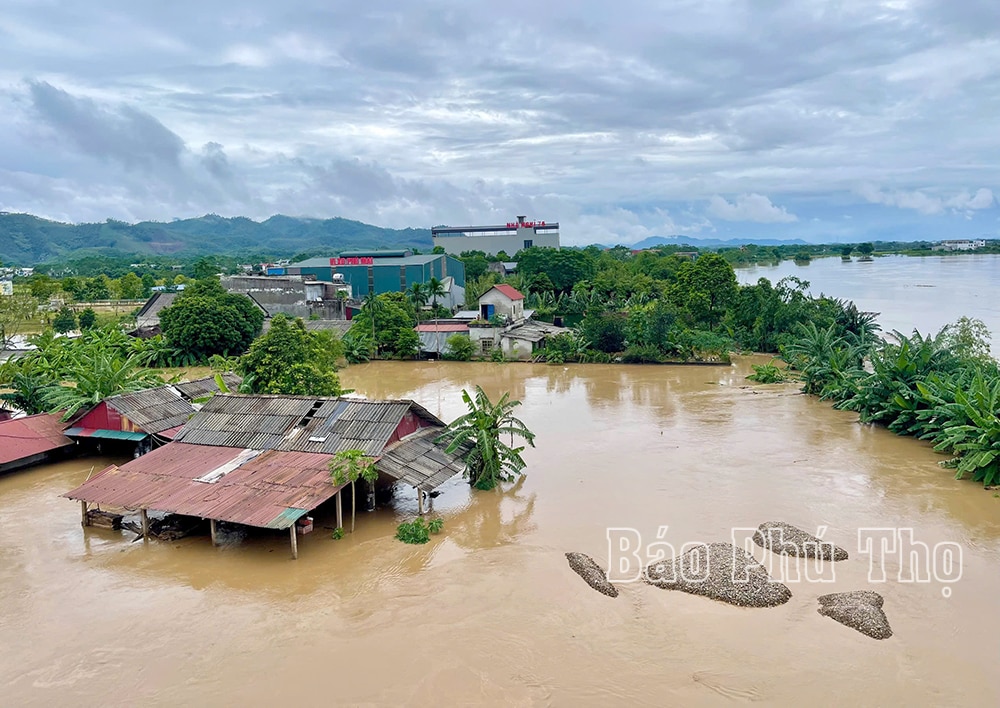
point(584, 566)
point(722, 572)
point(779, 537)
point(859, 609)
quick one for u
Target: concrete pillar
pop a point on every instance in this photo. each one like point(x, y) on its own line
point(145, 524)
point(211, 528)
point(420, 503)
point(84, 521)
point(340, 511)
point(295, 542)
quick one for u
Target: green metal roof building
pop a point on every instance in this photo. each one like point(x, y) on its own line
point(380, 271)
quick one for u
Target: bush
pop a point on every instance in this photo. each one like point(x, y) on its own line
point(88, 318)
point(64, 321)
point(766, 373)
point(414, 532)
point(460, 348)
point(642, 354)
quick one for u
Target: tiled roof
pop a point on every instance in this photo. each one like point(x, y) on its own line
point(509, 291)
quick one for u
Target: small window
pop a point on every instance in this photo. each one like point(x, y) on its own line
point(486, 344)
point(528, 243)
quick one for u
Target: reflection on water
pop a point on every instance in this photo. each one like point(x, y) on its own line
point(488, 611)
point(925, 292)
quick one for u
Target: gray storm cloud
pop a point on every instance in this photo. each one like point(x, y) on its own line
point(623, 120)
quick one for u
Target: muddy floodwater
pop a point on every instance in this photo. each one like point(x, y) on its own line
point(923, 292)
point(489, 611)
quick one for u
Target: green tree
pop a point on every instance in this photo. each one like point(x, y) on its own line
point(435, 289)
point(706, 287)
point(130, 286)
point(64, 321)
point(96, 373)
point(206, 320)
point(88, 318)
point(866, 249)
point(388, 320)
point(98, 288)
point(348, 466)
point(604, 330)
point(16, 311)
point(460, 348)
point(418, 295)
point(564, 267)
point(205, 268)
point(43, 287)
point(846, 251)
point(479, 436)
point(291, 360)
point(148, 283)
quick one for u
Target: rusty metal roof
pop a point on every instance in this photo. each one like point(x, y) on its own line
point(299, 423)
point(207, 386)
point(419, 461)
point(35, 434)
point(270, 489)
point(153, 410)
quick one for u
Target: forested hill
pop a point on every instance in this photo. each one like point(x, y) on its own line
point(26, 240)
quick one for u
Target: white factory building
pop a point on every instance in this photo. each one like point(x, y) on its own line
point(509, 238)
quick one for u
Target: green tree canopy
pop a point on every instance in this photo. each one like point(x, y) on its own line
point(290, 360)
point(390, 316)
point(206, 320)
point(64, 321)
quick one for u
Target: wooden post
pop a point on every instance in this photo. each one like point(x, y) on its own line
point(84, 521)
point(211, 528)
point(340, 511)
point(420, 503)
point(295, 542)
point(145, 524)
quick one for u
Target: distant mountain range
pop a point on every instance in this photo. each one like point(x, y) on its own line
point(27, 240)
point(653, 241)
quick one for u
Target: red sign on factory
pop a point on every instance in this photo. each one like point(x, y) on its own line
point(525, 224)
point(364, 260)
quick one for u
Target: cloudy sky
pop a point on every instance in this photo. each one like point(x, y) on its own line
point(835, 121)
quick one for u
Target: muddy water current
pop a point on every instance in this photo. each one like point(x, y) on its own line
point(488, 611)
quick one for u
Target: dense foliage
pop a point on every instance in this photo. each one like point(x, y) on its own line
point(291, 360)
point(68, 374)
point(943, 388)
point(387, 320)
point(206, 320)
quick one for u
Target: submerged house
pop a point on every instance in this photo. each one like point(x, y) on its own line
point(143, 420)
point(32, 440)
point(263, 460)
point(504, 324)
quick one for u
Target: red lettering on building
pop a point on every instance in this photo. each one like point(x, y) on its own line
point(353, 260)
point(525, 224)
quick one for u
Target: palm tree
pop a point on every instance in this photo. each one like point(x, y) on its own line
point(435, 288)
point(418, 295)
point(477, 434)
point(350, 466)
point(373, 306)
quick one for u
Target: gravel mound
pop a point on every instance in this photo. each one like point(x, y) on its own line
point(584, 566)
point(779, 537)
point(859, 609)
point(722, 572)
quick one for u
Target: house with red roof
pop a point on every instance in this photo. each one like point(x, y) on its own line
point(32, 440)
point(502, 301)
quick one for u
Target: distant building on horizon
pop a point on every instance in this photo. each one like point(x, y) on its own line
point(960, 245)
point(491, 240)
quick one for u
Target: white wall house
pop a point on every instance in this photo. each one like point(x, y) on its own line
point(508, 238)
point(502, 301)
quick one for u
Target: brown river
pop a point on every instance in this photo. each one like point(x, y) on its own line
point(489, 612)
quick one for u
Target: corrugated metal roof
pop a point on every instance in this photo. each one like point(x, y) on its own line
point(153, 410)
point(533, 331)
point(199, 388)
point(299, 423)
point(271, 490)
point(107, 434)
point(33, 435)
point(443, 327)
point(420, 462)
